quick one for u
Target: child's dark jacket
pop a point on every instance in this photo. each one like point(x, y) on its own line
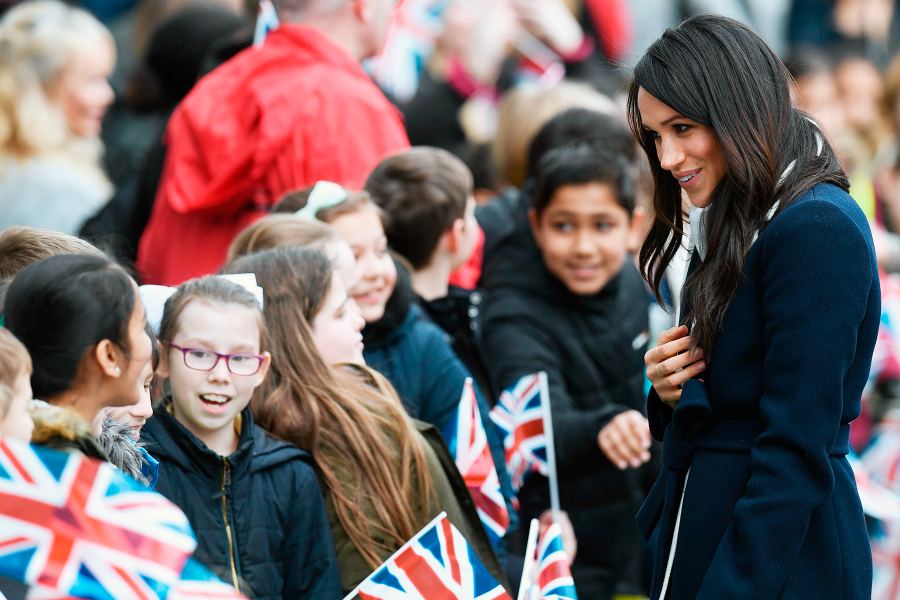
point(272, 505)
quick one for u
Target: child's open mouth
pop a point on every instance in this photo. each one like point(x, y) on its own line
point(214, 399)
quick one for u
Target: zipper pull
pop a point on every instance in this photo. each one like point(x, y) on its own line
point(226, 473)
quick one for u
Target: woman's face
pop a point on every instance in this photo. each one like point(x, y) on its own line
point(336, 327)
point(687, 149)
point(83, 91)
point(375, 271)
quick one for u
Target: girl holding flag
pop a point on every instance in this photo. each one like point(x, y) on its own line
point(753, 399)
point(384, 475)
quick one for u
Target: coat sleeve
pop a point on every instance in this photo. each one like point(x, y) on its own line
point(816, 274)
point(311, 569)
point(518, 347)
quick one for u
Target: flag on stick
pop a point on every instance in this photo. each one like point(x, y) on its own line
point(519, 415)
point(468, 445)
point(437, 564)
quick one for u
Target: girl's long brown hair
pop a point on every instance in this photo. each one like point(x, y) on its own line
point(367, 451)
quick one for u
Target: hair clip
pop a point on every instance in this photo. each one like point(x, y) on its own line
point(248, 282)
point(324, 195)
point(154, 297)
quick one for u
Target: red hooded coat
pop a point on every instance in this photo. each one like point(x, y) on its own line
point(272, 119)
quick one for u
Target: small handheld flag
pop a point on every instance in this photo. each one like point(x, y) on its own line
point(468, 445)
point(437, 564)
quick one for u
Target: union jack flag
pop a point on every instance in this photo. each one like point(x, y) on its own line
point(554, 578)
point(73, 526)
point(519, 415)
point(468, 445)
point(437, 564)
point(198, 583)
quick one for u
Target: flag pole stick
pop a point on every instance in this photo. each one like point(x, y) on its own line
point(551, 448)
point(530, 560)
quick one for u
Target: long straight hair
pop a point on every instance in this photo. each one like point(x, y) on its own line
point(369, 455)
point(719, 73)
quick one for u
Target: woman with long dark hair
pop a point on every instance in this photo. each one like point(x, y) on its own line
point(754, 391)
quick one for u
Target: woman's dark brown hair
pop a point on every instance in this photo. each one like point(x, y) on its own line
point(719, 73)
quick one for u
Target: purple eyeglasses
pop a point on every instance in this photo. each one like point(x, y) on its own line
point(201, 359)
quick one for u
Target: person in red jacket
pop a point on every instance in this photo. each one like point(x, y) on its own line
point(296, 110)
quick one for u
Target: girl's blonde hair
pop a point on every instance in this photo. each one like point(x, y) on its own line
point(37, 42)
point(369, 456)
point(277, 230)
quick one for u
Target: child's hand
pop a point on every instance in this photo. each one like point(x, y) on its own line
point(570, 543)
point(670, 365)
point(626, 440)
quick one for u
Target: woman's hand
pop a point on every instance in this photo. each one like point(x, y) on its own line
point(570, 543)
point(670, 365)
point(626, 440)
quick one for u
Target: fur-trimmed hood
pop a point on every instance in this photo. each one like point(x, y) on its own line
point(63, 429)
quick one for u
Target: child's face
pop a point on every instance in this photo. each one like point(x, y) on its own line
point(17, 423)
point(375, 271)
point(137, 414)
point(337, 326)
point(584, 235)
point(206, 402)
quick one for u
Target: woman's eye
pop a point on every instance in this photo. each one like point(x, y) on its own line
point(562, 227)
point(681, 128)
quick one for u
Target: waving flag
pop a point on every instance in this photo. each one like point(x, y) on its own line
point(468, 445)
point(437, 564)
point(519, 414)
point(266, 21)
point(554, 578)
point(71, 526)
point(198, 583)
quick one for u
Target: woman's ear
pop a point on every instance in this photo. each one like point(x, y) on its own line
point(108, 356)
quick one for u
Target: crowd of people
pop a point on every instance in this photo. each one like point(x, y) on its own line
point(254, 266)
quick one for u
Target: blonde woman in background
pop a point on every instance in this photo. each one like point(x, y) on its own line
point(54, 65)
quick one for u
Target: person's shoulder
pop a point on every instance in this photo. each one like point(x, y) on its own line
point(272, 453)
point(822, 202)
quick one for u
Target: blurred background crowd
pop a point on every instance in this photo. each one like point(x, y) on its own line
point(85, 104)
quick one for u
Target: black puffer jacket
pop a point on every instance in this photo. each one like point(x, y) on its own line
point(263, 500)
point(592, 350)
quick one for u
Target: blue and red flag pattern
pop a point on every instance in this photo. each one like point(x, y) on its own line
point(554, 577)
point(519, 416)
point(468, 445)
point(437, 564)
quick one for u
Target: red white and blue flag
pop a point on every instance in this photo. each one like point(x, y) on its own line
point(468, 445)
point(519, 414)
point(553, 577)
point(71, 526)
point(198, 583)
point(437, 564)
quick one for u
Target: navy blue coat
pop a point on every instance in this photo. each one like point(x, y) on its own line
point(272, 502)
point(771, 508)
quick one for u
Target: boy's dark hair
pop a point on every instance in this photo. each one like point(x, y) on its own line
point(62, 306)
point(579, 164)
point(423, 191)
point(580, 125)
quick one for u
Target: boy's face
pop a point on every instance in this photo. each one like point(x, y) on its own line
point(17, 423)
point(137, 414)
point(584, 235)
point(207, 402)
point(375, 271)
